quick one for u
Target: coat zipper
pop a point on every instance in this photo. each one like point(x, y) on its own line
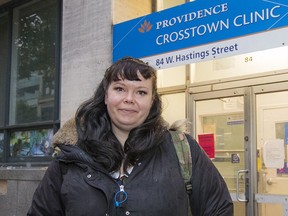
point(120, 196)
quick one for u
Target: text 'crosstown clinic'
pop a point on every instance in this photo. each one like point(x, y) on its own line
point(208, 28)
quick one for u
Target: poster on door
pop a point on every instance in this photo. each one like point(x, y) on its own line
point(284, 170)
point(273, 153)
point(207, 142)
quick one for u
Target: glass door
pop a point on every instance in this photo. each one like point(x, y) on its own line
point(272, 147)
point(249, 128)
point(220, 115)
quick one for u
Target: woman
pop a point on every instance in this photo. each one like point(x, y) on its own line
point(117, 157)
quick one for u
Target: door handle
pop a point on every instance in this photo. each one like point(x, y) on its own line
point(271, 181)
point(237, 185)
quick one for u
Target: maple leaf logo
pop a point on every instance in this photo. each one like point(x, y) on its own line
point(145, 27)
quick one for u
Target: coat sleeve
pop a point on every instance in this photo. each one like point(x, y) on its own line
point(47, 199)
point(210, 195)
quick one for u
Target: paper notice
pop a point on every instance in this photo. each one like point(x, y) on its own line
point(207, 142)
point(273, 153)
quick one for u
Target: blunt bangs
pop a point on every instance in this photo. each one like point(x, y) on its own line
point(128, 68)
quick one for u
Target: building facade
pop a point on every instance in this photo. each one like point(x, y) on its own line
point(54, 53)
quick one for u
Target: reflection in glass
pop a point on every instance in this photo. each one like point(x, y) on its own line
point(173, 107)
point(33, 143)
point(224, 117)
point(228, 129)
point(260, 62)
point(3, 62)
point(162, 5)
point(33, 62)
point(171, 76)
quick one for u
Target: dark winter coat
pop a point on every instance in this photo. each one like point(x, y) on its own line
point(75, 185)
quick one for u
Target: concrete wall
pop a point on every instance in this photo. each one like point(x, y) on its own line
point(17, 186)
point(86, 50)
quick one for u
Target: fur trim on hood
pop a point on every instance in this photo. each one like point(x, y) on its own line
point(66, 135)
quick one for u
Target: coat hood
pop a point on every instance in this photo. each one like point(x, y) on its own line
point(65, 144)
point(66, 135)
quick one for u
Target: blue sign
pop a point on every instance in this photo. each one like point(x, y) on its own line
point(196, 23)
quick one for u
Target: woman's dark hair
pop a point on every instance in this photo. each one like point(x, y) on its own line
point(93, 123)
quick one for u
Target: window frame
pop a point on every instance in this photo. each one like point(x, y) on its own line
point(54, 124)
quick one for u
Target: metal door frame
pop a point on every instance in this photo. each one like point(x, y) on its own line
point(252, 198)
point(270, 198)
point(250, 170)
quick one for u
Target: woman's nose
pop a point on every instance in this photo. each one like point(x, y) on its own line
point(129, 98)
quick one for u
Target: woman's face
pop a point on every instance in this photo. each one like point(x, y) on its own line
point(128, 103)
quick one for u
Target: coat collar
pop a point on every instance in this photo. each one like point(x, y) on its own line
point(67, 134)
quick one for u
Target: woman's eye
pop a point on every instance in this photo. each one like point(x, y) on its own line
point(118, 89)
point(142, 93)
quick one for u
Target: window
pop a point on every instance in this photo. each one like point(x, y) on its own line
point(29, 49)
point(35, 143)
point(33, 62)
point(3, 62)
point(1, 144)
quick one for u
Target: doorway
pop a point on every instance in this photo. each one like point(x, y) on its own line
point(221, 113)
point(272, 142)
point(242, 121)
